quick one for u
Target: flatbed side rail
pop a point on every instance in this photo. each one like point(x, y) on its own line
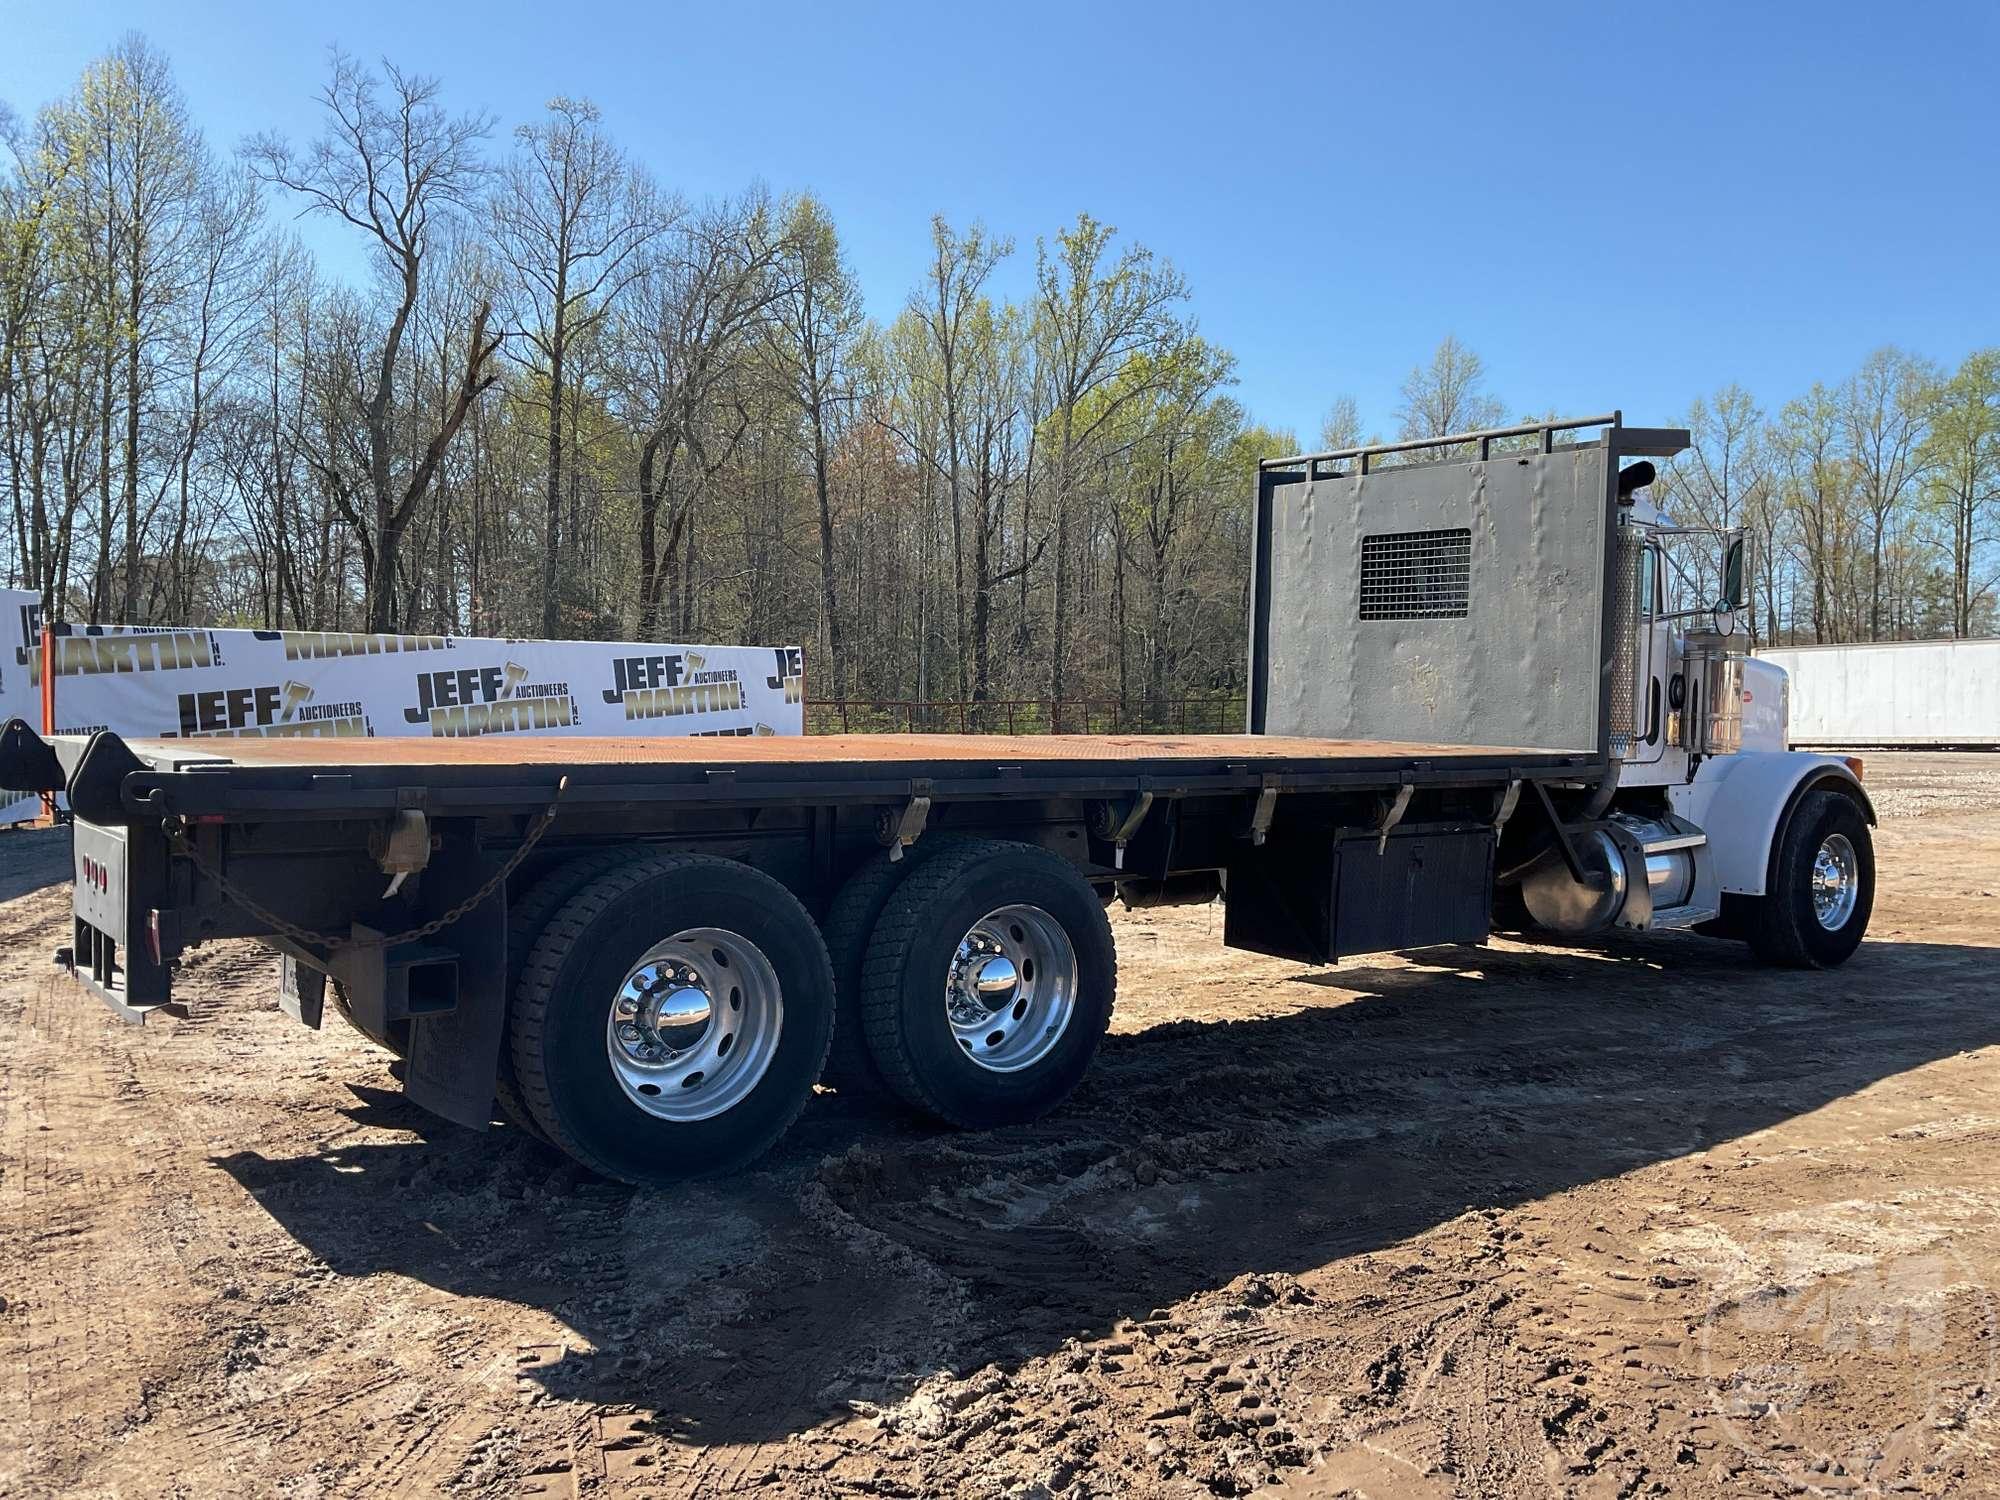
point(108, 783)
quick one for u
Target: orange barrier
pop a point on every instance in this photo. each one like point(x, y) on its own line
point(49, 705)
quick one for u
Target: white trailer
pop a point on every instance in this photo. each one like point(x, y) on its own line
point(1918, 693)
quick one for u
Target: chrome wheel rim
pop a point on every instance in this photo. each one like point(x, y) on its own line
point(694, 1025)
point(1836, 882)
point(1012, 988)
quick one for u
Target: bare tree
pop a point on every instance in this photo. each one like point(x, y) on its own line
point(1884, 410)
point(944, 357)
point(818, 321)
point(210, 337)
point(700, 304)
point(1341, 426)
point(396, 169)
point(1094, 323)
point(571, 220)
point(1448, 394)
point(1818, 488)
point(1722, 480)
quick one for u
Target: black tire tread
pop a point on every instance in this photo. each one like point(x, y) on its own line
point(525, 920)
point(1775, 930)
point(537, 990)
point(850, 922)
point(904, 921)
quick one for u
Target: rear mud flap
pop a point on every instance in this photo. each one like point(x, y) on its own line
point(448, 990)
point(455, 1054)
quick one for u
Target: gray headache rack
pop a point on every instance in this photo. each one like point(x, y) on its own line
point(1459, 589)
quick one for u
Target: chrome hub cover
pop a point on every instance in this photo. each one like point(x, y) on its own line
point(695, 1024)
point(1836, 882)
point(1011, 989)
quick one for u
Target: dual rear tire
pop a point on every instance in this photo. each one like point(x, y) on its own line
point(671, 1013)
point(987, 984)
point(671, 1018)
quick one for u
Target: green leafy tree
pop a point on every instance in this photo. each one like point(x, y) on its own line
point(1960, 460)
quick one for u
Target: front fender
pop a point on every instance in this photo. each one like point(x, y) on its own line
point(1742, 801)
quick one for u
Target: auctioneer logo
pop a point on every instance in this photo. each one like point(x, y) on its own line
point(489, 700)
point(271, 710)
point(95, 650)
point(661, 687)
point(327, 645)
point(791, 673)
point(31, 635)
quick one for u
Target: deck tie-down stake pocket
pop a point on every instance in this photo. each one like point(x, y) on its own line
point(900, 830)
point(403, 849)
point(1392, 814)
point(1260, 815)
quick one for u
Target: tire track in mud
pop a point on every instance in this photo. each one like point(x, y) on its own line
point(81, 1358)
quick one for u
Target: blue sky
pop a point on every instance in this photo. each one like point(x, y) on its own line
point(1615, 204)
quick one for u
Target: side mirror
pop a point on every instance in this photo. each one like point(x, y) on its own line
point(1736, 575)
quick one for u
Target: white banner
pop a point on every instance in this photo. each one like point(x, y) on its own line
point(19, 697)
point(173, 683)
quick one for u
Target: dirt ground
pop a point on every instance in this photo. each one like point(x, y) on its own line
point(1514, 1220)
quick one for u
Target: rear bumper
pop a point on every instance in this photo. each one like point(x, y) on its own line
point(117, 926)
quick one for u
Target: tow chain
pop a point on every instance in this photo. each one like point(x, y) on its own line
point(179, 843)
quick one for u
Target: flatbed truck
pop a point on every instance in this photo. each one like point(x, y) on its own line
point(1473, 702)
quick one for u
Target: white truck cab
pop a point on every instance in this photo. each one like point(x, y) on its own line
point(1736, 835)
point(1523, 586)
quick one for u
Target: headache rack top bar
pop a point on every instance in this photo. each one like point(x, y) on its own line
point(1483, 438)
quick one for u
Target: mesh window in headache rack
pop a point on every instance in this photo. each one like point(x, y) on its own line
point(1417, 575)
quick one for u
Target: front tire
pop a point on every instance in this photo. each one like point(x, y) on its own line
point(1821, 886)
point(672, 1018)
point(988, 984)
